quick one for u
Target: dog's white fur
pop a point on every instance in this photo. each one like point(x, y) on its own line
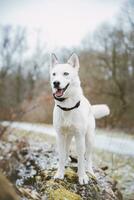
point(79, 122)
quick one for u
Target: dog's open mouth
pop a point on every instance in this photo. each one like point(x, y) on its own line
point(59, 92)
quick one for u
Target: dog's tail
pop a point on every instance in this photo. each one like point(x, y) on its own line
point(100, 111)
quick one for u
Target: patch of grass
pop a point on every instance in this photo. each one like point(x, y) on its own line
point(29, 135)
point(120, 168)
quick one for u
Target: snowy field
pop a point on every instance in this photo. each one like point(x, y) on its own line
point(104, 140)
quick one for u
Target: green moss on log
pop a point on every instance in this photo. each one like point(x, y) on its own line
point(63, 194)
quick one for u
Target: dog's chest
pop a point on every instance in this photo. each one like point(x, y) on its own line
point(67, 125)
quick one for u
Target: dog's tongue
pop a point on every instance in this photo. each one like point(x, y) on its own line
point(59, 92)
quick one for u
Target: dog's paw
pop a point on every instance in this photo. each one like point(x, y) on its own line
point(68, 160)
point(83, 179)
point(59, 175)
point(90, 171)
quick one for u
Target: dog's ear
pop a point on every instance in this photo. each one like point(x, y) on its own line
point(54, 60)
point(74, 61)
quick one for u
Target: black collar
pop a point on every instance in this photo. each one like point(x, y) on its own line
point(68, 109)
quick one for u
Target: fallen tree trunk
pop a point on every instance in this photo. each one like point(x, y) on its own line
point(100, 188)
point(32, 171)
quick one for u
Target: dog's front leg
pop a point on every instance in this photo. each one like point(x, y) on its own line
point(80, 147)
point(61, 144)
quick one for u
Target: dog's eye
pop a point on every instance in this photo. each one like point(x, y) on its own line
point(65, 73)
point(54, 74)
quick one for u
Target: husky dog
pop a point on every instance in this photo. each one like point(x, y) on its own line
point(73, 116)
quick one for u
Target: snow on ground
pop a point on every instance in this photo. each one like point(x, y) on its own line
point(109, 143)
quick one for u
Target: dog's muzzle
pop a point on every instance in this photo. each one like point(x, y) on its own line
point(59, 92)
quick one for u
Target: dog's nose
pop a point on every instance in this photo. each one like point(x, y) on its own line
point(56, 84)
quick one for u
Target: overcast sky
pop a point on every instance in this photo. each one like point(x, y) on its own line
point(62, 22)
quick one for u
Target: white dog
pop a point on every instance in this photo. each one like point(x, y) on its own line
point(73, 116)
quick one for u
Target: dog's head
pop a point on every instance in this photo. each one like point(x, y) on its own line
point(64, 77)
